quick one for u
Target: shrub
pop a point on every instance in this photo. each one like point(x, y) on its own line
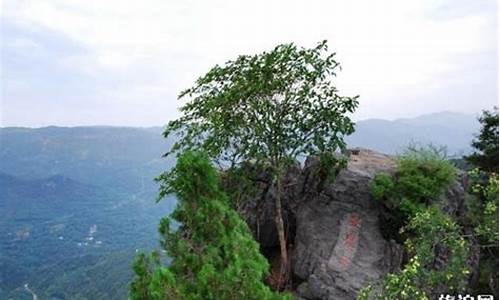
point(382, 186)
point(487, 219)
point(213, 254)
point(424, 173)
point(421, 177)
point(403, 286)
point(433, 232)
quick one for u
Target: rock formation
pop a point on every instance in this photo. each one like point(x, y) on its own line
point(339, 247)
point(334, 228)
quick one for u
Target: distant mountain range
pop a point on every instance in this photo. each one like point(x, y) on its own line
point(121, 151)
point(122, 157)
point(453, 130)
point(77, 202)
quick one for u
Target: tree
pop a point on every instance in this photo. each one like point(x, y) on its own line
point(213, 254)
point(482, 205)
point(486, 144)
point(267, 108)
point(482, 208)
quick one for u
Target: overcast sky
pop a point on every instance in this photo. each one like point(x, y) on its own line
point(123, 62)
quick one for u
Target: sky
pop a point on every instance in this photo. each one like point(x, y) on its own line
point(123, 63)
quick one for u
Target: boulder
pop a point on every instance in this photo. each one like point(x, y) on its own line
point(338, 235)
point(339, 247)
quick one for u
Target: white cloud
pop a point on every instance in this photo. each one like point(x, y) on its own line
point(383, 46)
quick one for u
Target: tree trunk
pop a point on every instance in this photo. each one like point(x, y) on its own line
point(283, 278)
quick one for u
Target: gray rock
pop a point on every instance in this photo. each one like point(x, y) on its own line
point(303, 291)
point(339, 248)
point(335, 228)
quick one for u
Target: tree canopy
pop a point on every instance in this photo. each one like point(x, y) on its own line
point(486, 143)
point(267, 108)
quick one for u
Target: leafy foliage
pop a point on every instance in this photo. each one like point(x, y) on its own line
point(383, 186)
point(433, 232)
point(398, 286)
point(484, 213)
point(421, 177)
point(330, 165)
point(422, 174)
point(270, 106)
point(486, 144)
point(213, 253)
point(482, 204)
point(267, 108)
point(241, 182)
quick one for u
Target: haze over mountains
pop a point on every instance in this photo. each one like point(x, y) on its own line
point(76, 205)
point(453, 130)
point(133, 145)
point(77, 202)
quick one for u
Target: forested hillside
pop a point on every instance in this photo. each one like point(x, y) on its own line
point(57, 185)
point(76, 205)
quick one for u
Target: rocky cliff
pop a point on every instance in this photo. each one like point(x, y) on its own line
point(334, 228)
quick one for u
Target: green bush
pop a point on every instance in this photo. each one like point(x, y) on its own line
point(431, 230)
point(419, 278)
point(424, 173)
point(486, 212)
point(382, 186)
point(402, 286)
point(330, 165)
point(213, 254)
point(482, 215)
point(421, 177)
